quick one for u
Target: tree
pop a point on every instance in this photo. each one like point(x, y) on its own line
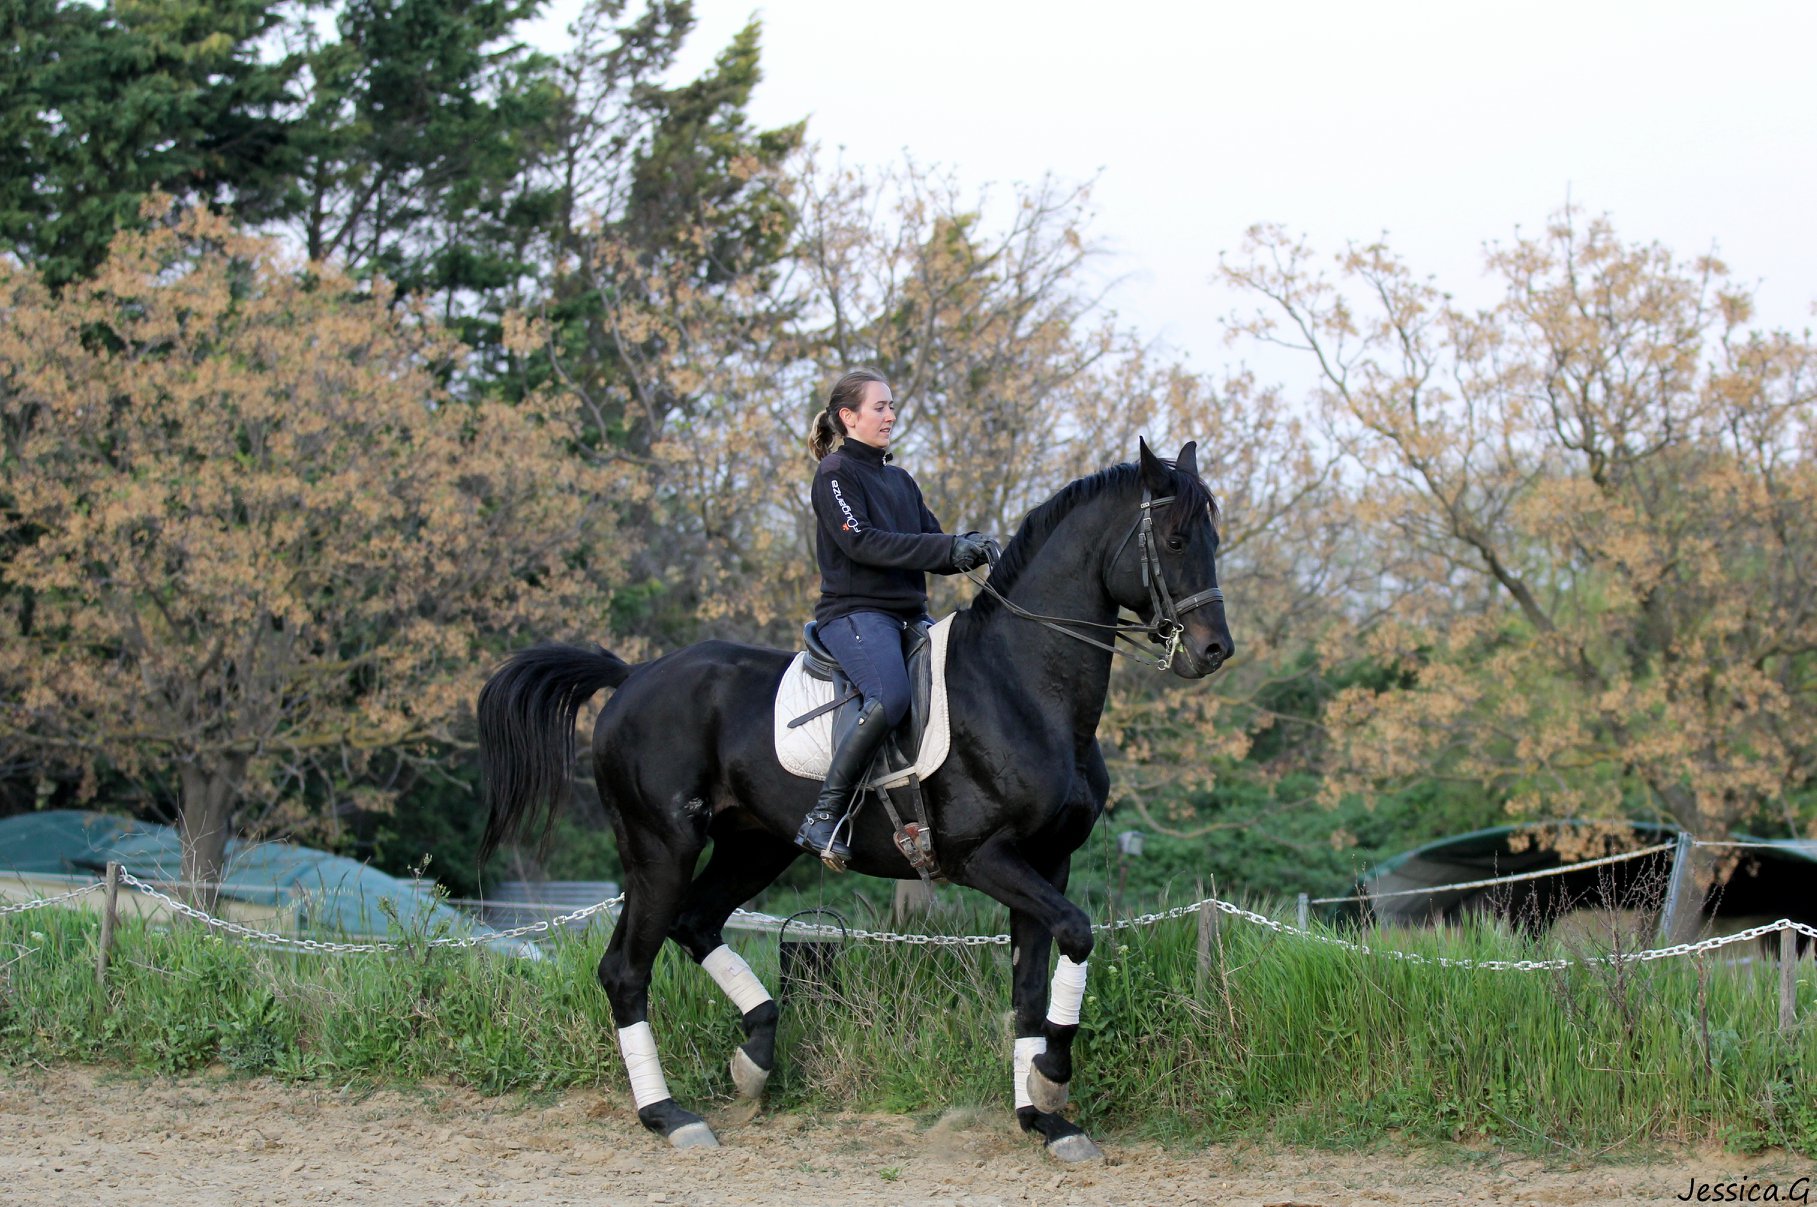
point(1592, 504)
point(1008, 375)
point(418, 128)
point(668, 313)
point(249, 534)
point(686, 225)
point(101, 106)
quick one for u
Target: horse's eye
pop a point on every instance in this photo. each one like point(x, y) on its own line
point(1175, 543)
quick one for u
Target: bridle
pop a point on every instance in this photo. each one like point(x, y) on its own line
point(1165, 629)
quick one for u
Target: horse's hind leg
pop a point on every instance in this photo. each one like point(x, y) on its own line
point(743, 864)
point(656, 877)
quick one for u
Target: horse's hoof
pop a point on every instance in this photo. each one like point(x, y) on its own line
point(749, 1079)
point(1049, 1096)
point(697, 1135)
point(1076, 1147)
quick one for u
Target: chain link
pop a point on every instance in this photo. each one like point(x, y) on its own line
point(249, 932)
point(769, 922)
point(754, 920)
point(41, 902)
point(1612, 959)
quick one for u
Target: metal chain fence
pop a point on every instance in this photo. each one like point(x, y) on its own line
point(753, 920)
point(768, 922)
point(249, 932)
point(41, 902)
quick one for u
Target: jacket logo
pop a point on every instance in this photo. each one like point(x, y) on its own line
point(851, 521)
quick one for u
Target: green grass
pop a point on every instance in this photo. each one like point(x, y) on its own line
point(1278, 1037)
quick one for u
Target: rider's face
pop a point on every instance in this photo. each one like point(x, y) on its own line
point(875, 417)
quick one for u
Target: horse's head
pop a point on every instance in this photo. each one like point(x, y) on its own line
point(1165, 569)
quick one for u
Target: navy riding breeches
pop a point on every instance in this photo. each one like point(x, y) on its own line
point(869, 648)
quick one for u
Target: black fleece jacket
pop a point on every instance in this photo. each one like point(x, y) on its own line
point(876, 538)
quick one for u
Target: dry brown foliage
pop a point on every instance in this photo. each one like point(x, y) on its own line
point(1011, 381)
point(250, 534)
point(1591, 511)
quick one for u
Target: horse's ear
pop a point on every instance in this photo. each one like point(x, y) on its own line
point(1155, 474)
point(1188, 460)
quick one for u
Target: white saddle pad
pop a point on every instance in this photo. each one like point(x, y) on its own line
point(807, 750)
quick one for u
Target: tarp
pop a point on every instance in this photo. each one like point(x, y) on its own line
point(328, 896)
point(1769, 879)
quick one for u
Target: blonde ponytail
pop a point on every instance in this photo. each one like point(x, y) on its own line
point(826, 433)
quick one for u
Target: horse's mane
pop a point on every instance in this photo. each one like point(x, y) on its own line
point(1190, 496)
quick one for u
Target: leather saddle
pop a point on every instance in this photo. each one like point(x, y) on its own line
point(904, 745)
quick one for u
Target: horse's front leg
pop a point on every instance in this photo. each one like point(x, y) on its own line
point(1040, 915)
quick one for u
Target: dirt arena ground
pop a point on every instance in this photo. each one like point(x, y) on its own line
point(77, 1136)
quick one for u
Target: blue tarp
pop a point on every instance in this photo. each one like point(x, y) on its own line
point(333, 895)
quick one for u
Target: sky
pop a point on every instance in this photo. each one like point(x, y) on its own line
point(1442, 125)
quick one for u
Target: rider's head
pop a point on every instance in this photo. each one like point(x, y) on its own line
point(861, 407)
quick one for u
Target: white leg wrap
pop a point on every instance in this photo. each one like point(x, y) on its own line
point(639, 1048)
point(732, 974)
point(1026, 1051)
point(1067, 995)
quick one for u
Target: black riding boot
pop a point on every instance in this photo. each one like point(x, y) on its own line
point(844, 774)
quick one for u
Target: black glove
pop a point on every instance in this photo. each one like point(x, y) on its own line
point(992, 550)
point(969, 552)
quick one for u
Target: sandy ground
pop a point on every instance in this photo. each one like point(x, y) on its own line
point(77, 1136)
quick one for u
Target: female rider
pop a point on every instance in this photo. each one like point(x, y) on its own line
point(876, 542)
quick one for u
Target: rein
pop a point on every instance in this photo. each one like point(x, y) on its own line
point(1165, 629)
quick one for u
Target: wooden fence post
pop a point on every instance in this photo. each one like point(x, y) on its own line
point(1305, 911)
point(1788, 980)
point(1683, 909)
point(108, 918)
point(1208, 932)
point(914, 898)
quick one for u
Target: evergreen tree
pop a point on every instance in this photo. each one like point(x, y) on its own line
point(101, 106)
point(419, 121)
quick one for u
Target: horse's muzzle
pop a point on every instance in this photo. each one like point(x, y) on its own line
point(1202, 660)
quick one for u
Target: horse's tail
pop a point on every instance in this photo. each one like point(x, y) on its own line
point(526, 718)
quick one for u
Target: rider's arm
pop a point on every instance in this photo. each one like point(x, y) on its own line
point(928, 522)
point(840, 505)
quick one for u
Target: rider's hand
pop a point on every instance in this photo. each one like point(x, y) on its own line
point(992, 550)
point(969, 552)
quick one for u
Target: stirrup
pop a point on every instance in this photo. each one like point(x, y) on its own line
point(834, 861)
point(825, 853)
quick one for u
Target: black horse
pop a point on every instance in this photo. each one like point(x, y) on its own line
point(683, 756)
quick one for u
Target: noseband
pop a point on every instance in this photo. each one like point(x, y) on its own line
point(1165, 629)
